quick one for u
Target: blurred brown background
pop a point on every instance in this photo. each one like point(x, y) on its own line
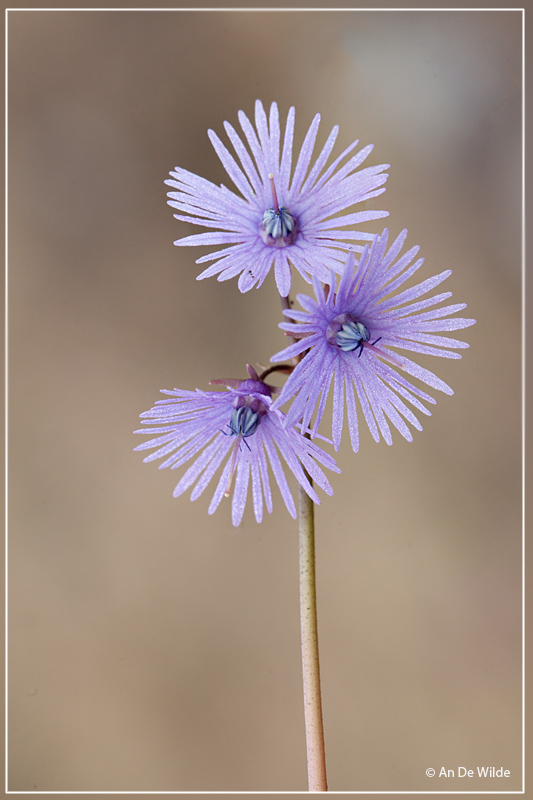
point(153, 647)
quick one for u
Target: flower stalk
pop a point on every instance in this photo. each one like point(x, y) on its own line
point(314, 727)
point(359, 303)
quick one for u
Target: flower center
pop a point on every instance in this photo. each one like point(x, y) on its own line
point(351, 336)
point(278, 227)
point(243, 422)
point(347, 334)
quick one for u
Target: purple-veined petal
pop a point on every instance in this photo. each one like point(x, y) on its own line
point(369, 372)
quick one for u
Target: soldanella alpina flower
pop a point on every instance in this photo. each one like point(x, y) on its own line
point(240, 430)
point(276, 220)
point(352, 332)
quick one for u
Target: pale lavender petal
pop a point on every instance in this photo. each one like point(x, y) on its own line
point(264, 137)
point(442, 325)
point(257, 494)
point(351, 409)
point(221, 488)
point(338, 407)
point(274, 139)
point(295, 466)
point(331, 169)
point(279, 475)
point(209, 238)
point(391, 412)
point(230, 165)
point(376, 401)
point(198, 467)
point(286, 156)
point(431, 301)
point(240, 491)
point(417, 291)
point(282, 272)
point(365, 406)
point(302, 165)
point(263, 469)
point(210, 470)
point(428, 338)
point(425, 349)
point(292, 350)
point(255, 147)
point(321, 160)
point(244, 157)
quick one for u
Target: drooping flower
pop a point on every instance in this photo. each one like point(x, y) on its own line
point(240, 430)
point(276, 220)
point(349, 332)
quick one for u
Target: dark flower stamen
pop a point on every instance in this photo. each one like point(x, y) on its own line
point(243, 422)
point(351, 336)
point(278, 227)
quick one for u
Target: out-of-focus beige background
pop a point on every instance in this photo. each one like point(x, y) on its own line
point(153, 647)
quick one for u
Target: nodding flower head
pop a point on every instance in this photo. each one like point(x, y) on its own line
point(346, 335)
point(277, 220)
point(212, 427)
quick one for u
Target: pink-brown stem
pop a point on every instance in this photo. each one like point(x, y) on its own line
point(314, 727)
point(286, 369)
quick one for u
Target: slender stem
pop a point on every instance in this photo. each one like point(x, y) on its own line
point(285, 368)
point(314, 728)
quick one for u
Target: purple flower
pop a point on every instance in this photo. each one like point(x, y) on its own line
point(239, 429)
point(349, 332)
point(276, 220)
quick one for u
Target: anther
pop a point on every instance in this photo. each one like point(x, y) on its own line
point(278, 227)
point(351, 336)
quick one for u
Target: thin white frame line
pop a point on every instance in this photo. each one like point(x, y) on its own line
point(523, 365)
point(5, 412)
point(523, 399)
point(207, 8)
point(362, 791)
